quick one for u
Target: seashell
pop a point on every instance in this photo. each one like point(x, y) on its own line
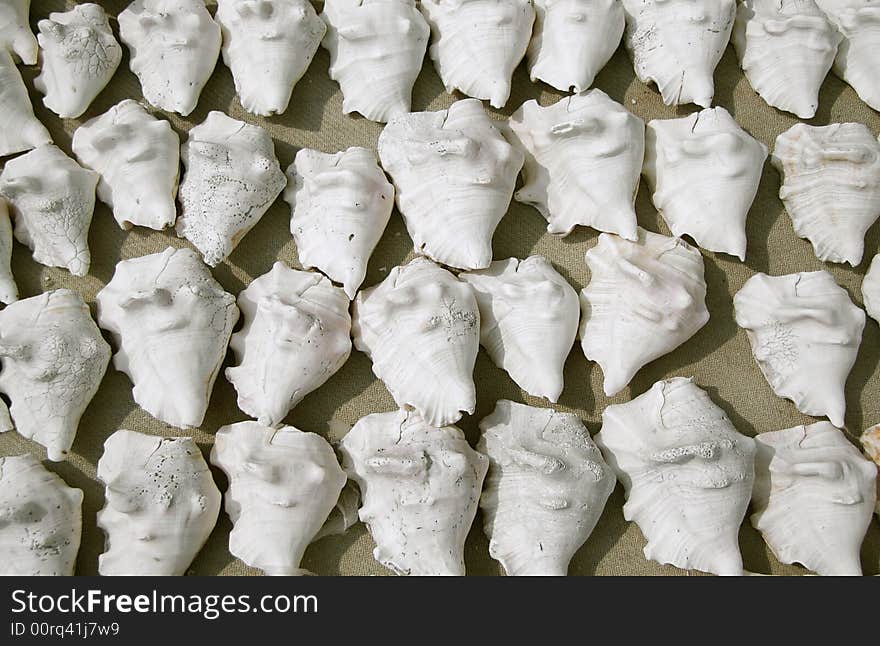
point(41, 519)
point(376, 50)
point(8, 288)
point(583, 158)
point(704, 171)
point(268, 45)
point(686, 472)
point(174, 47)
point(231, 179)
point(420, 487)
point(830, 186)
point(545, 491)
point(805, 334)
point(644, 299)
point(871, 445)
point(161, 504)
point(80, 56)
point(454, 173)
point(420, 327)
point(171, 321)
point(340, 204)
point(476, 44)
point(528, 321)
point(283, 484)
point(138, 157)
point(295, 336)
point(786, 48)
point(871, 289)
point(677, 44)
point(16, 36)
point(20, 130)
point(53, 200)
point(814, 497)
point(54, 358)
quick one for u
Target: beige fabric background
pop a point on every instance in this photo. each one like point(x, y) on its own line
point(718, 356)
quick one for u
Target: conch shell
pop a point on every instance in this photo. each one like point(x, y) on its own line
point(546, 488)
point(171, 322)
point(871, 289)
point(16, 36)
point(8, 288)
point(54, 358)
point(871, 444)
point(686, 472)
point(420, 487)
point(20, 130)
point(161, 504)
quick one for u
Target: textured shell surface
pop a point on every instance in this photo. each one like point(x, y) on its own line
point(871, 289)
point(283, 484)
point(138, 158)
point(858, 57)
point(420, 487)
point(8, 288)
point(161, 504)
point(528, 321)
point(573, 40)
point(786, 48)
point(231, 179)
point(814, 497)
point(677, 44)
point(40, 519)
point(545, 490)
point(296, 335)
point(174, 47)
point(454, 173)
point(376, 51)
point(830, 186)
point(268, 45)
point(16, 36)
point(476, 44)
point(20, 130)
point(704, 170)
point(54, 358)
point(340, 205)
point(871, 444)
point(53, 201)
point(171, 322)
point(583, 157)
point(805, 334)
point(644, 299)
point(80, 56)
point(686, 472)
point(421, 329)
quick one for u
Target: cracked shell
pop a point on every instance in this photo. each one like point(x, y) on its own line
point(20, 130)
point(16, 36)
point(8, 288)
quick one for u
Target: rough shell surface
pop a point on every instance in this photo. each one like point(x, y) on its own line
point(16, 36)
point(171, 322)
point(871, 289)
point(20, 130)
point(420, 487)
point(8, 288)
point(871, 444)
point(686, 472)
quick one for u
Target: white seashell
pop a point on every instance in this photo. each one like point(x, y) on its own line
point(454, 173)
point(573, 40)
point(54, 358)
point(871, 289)
point(16, 36)
point(80, 56)
point(174, 46)
point(8, 288)
point(420, 487)
point(340, 204)
point(583, 158)
point(20, 130)
point(268, 45)
point(545, 491)
point(295, 336)
point(644, 299)
point(476, 44)
point(41, 519)
point(677, 44)
point(830, 186)
point(283, 484)
point(376, 51)
point(138, 157)
point(814, 497)
point(528, 321)
point(686, 472)
point(786, 48)
point(53, 201)
point(871, 445)
point(161, 504)
point(421, 328)
point(231, 179)
point(704, 171)
point(171, 322)
point(805, 334)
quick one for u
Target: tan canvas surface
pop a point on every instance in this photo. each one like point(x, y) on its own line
point(718, 356)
